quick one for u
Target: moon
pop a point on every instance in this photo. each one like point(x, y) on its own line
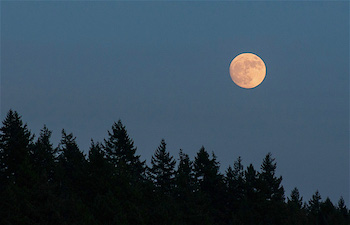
point(247, 70)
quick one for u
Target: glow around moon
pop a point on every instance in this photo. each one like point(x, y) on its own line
point(247, 70)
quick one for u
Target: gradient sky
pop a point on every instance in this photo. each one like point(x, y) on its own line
point(162, 68)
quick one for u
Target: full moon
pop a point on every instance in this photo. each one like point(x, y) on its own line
point(247, 70)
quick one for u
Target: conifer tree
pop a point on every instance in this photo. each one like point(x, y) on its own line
point(235, 189)
point(211, 187)
point(184, 176)
point(271, 187)
point(121, 152)
point(272, 192)
point(249, 213)
point(327, 212)
point(128, 173)
point(206, 171)
point(16, 142)
point(296, 212)
point(342, 208)
point(315, 203)
point(17, 177)
point(295, 201)
point(44, 155)
point(163, 168)
point(99, 170)
point(314, 208)
point(71, 165)
point(234, 180)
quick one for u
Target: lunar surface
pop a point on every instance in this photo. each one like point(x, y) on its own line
point(247, 70)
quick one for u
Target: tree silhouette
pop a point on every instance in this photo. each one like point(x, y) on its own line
point(163, 169)
point(40, 184)
point(120, 151)
point(271, 191)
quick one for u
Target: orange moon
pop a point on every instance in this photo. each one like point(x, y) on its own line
point(247, 70)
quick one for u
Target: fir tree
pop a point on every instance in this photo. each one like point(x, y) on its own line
point(211, 187)
point(44, 155)
point(296, 213)
point(272, 192)
point(184, 176)
point(16, 142)
point(235, 189)
point(314, 208)
point(163, 168)
point(271, 187)
point(120, 151)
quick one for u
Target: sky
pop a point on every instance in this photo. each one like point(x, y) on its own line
point(163, 69)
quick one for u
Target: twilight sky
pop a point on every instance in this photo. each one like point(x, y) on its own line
point(163, 69)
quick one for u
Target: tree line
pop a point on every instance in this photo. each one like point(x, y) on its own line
point(43, 184)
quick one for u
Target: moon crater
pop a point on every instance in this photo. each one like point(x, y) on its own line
point(247, 70)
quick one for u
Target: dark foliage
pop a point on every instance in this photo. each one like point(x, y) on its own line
point(41, 184)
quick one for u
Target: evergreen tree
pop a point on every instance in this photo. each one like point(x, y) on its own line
point(129, 181)
point(272, 193)
point(120, 151)
point(342, 208)
point(185, 185)
point(249, 213)
point(16, 142)
point(44, 155)
point(71, 181)
point(234, 180)
point(296, 212)
point(71, 164)
point(17, 177)
point(314, 208)
point(271, 187)
point(211, 187)
point(327, 212)
point(163, 169)
point(343, 213)
point(184, 177)
point(295, 201)
point(162, 173)
point(99, 193)
point(99, 170)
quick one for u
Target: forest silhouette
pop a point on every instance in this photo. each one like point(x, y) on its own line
point(43, 184)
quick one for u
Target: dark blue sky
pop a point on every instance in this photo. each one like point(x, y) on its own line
point(162, 68)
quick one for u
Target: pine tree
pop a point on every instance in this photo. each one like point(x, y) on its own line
point(71, 179)
point(19, 184)
point(249, 212)
point(271, 187)
point(71, 165)
point(327, 212)
point(295, 201)
point(210, 185)
point(100, 171)
point(235, 189)
point(163, 169)
point(16, 143)
point(315, 203)
point(342, 208)
point(234, 180)
point(272, 192)
point(120, 151)
point(129, 180)
point(296, 212)
point(184, 176)
point(314, 208)
point(44, 155)
point(184, 187)
point(343, 212)
point(99, 192)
